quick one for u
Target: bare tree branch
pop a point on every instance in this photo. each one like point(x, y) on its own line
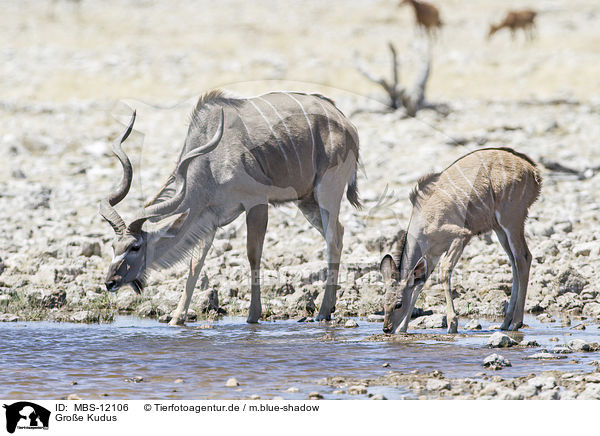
point(398, 96)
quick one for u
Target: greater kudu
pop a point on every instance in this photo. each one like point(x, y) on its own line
point(489, 189)
point(278, 147)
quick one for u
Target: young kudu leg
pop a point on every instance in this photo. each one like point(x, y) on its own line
point(523, 261)
point(447, 266)
point(404, 326)
point(196, 263)
point(256, 227)
point(514, 292)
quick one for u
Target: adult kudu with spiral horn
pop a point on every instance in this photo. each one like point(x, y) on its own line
point(239, 155)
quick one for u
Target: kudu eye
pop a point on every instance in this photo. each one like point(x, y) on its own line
point(135, 248)
point(398, 305)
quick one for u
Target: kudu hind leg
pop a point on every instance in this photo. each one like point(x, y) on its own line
point(523, 261)
point(514, 293)
point(256, 226)
point(334, 235)
point(196, 263)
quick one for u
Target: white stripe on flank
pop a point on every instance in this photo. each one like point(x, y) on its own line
point(312, 136)
point(464, 193)
point(503, 172)
point(472, 187)
point(288, 133)
point(458, 198)
point(328, 123)
point(450, 197)
point(272, 131)
point(247, 130)
point(512, 183)
point(485, 168)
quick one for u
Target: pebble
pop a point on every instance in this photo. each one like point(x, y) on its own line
point(375, 318)
point(561, 349)
point(255, 397)
point(315, 396)
point(165, 318)
point(350, 324)
point(501, 340)
point(378, 397)
point(357, 390)
point(73, 397)
point(542, 382)
point(438, 385)
point(231, 383)
point(8, 317)
point(529, 343)
point(89, 249)
point(179, 380)
point(581, 345)
point(136, 379)
point(473, 325)
point(496, 362)
point(386, 365)
point(293, 389)
point(545, 356)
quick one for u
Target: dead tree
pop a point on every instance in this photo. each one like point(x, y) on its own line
point(399, 97)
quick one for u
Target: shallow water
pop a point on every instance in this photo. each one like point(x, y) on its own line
point(45, 359)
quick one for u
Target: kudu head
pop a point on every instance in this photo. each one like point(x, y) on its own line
point(400, 288)
point(134, 248)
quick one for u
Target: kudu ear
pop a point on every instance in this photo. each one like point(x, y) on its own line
point(387, 267)
point(420, 271)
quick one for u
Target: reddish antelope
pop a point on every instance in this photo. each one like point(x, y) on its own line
point(489, 189)
point(524, 19)
point(278, 147)
point(427, 15)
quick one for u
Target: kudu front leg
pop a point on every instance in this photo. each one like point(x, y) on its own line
point(447, 266)
point(256, 227)
point(196, 263)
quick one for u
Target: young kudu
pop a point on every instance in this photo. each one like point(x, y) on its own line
point(489, 189)
point(274, 148)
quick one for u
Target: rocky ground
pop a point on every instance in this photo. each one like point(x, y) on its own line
point(58, 119)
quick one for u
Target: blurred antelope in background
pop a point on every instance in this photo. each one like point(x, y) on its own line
point(523, 19)
point(427, 16)
point(240, 155)
point(489, 189)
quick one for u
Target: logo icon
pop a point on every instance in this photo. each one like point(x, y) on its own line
point(26, 415)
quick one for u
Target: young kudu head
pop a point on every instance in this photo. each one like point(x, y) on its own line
point(135, 248)
point(399, 290)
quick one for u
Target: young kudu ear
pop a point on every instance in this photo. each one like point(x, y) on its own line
point(387, 268)
point(420, 271)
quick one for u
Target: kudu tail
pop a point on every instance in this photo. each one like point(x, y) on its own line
point(352, 191)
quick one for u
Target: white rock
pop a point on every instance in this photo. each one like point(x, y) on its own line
point(357, 390)
point(496, 361)
point(435, 321)
point(435, 384)
point(473, 325)
point(501, 340)
point(231, 383)
point(350, 324)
